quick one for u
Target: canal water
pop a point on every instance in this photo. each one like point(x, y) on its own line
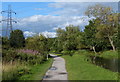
point(111, 64)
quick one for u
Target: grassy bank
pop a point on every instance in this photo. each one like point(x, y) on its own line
point(18, 71)
point(109, 54)
point(37, 72)
point(80, 69)
point(13, 71)
point(105, 54)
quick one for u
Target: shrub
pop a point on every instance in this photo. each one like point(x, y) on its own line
point(28, 56)
point(82, 52)
point(68, 52)
point(30, 59)
point(9, 55)
point(17, 39)
point(109, 54)
point(13, 72)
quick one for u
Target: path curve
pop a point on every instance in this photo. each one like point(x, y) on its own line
point(57, 70)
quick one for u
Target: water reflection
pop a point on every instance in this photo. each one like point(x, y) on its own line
point(111, 64)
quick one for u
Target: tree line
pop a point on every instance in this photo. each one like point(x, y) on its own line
point(100, 34)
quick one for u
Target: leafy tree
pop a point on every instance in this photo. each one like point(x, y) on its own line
point(43, 45)
point(50, 42)
point(118, 37)
point(5, 43)
point(38, 43)
point(89, 35)
point(61, 37)
point(30, 43)
point(106, 22)
point(17, 39)
point(58, 45)
point(109, 30)
point(99, 11)
point(68, 39)
point(72, 33)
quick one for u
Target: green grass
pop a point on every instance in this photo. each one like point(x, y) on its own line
point(13, 71)
point(37, 72)
point(80, 69)
point(105, 54)
point(57, 54)
point(18, 71)
point(109, 54)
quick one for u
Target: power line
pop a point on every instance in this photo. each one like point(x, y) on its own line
point(9, 19)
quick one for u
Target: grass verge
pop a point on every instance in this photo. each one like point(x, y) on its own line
point(18, 71)
point(80, 69)
point(13, 71)
point(104, 54)
point(109, 54)
point(37, 72)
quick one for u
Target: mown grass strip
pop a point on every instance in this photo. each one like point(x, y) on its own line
point(80, 69)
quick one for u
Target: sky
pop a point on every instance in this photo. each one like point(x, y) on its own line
point(45, 17)
point(60, 0)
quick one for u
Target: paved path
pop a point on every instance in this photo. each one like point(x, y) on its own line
point(57, 70)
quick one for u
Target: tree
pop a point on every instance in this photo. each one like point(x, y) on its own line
point(38, 43)
point(68, 39)
point(109, 30)
point(5, 43)
point(89, 35)
point(30, 43)
point(17, 39)
point(99, 11)
point(72, 33)
point(106, 21)
point(61, 38)
point(43, 45)
point(50, 42)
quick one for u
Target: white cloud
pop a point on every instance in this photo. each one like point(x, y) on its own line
point(48, 34)
point(67, 14)
point(77, 9)
point(28, 34)
point(45, 33)
point(42, 23)
point(32, 18)
point(69, 9)
point(76, 21)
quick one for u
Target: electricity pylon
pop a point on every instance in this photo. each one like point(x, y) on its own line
point(9, 20)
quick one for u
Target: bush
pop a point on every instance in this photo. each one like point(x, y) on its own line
point(83, 52)
point(12, 55)
point(17, 39)
point(30, 59)
point(68, 52)
point(109, 54)
point(9, 55)
point(20, 63)
point(13, 72)
point(65, 52)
